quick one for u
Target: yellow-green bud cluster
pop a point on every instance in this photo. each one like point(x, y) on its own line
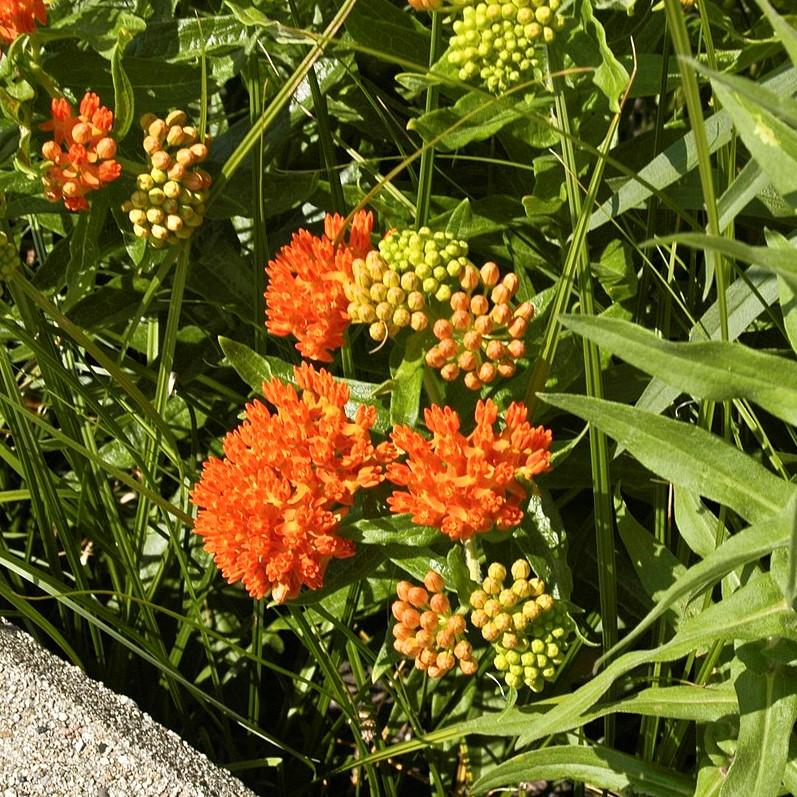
point(169, 202)
point(494, 43)
point(436, 259)
point(9, 257)
point(525, 625)
point(384, 298)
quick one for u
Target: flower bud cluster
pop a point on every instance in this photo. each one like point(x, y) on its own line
point(80, 156)
point(525, 625)
point(494, 42)
point(437, 259)
point(483, 336)
point(385, 298)
point(428, 631)
point(169, 201)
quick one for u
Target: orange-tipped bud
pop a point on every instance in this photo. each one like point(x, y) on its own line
point(151, 144)
point(469, 278)
point(517, 329)
point(479, 618)
point(401, 632)
point(490, 274)
point(429, 621)
point(81, 133)
point(418, 596)
point(445, 639)
point(506, 369)
point(434, 582)
point(468, 666)
point(411, 618)
point(51, 150)
point(511, 283)
point(463, 650)
point(106, 148)
point(501, 314)
point(442, 329)
point(468, 361)
point(484, 325)
point(500, 295)
point(459, 301)
point(472, 381)
point(479, 305)
point(157, 129)
point(495, 350)
point(461, 319)
point(516, 349)
point(448, 348)
point(525, 311)
point(435, 358)
point(456, 624)
point(161, 160)
point(419, 321)
point(449, 372)
point(445, 660)
point(440, 603)
point(487, 373)
point(403, 589)
point(472, 340)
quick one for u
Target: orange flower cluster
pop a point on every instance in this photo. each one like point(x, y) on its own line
point(305, 295)
point(270, 509)
point(428, 631)
point(20, 16)
point(80, 154)
point(468, 485)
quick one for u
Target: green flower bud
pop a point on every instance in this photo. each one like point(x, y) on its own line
point(513, 680)
point(501, 664)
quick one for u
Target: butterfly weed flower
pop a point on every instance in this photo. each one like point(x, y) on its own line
point(80, 156)
point(269, 511)
point(428, 630)
point(20, 16)
point(526, 626)
point(306, 295)
point(467, 485)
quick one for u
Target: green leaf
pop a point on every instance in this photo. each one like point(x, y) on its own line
point(405, 397)
point(772, 142)
point(715, 370)
point(679, 158)
point(123, 98)
point(189, 38)
point(654, 563)
point(785, 32)
point(381, 26)
point(84, 251)
point(390, 530)
point(610, 75)
point(686, 455)
point(615, 271)
point(745, 546)
point(252, 367)
point(767, 712)
point(601, 767)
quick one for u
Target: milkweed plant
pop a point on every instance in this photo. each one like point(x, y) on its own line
point(402, 399)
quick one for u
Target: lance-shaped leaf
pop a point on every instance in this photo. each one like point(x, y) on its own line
point(713, 370)
point(685, 455)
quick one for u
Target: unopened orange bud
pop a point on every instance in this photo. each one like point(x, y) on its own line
point(412, 647)
point(490, 632)
point(425, 638)
point(411, 618)
point(472, 381)
point(501, 314)
point(427, 657)
point(479, 305)
point(157, 129)
point(429, 621)
point(445, 639)
point(440, 603)
point(516, 349)
point(469, 278)
point(484, 325)
point(449, 372)
point(525, 311)
point(467, 361)
point(468, 666)
point(401, 632)
point(463, 649)
point(161, 160)
point(106, 148)
point(146, 120)
point(418, 596)
point(70, 189)
point(442, 329)
point(511, 282)
point(517, 329)
point(435, 358)
point(419, 321)
point(403, 588)
point(51, 151)
point(500, 295)
point(151, 145)
point(479, 618)
point(398, 608)
point(472, 340)
point(487, 373)
point(490, 274)
point(199, 151)
point(448, 348)
point(459, 301)
point(461, 319)
point(81, 133)
point(495, 350)
point(434, 582)
point(506, 369)
point(445, 660)
point(456, 624)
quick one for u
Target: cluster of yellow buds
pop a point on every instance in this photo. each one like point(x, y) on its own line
point(169, 202)
point(494, 42)
point(428, 631)
point(525, 625)
point(437, 259)
point(483, 337)
point(384, 298)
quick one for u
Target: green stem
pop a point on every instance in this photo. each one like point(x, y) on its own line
point(427, 157)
